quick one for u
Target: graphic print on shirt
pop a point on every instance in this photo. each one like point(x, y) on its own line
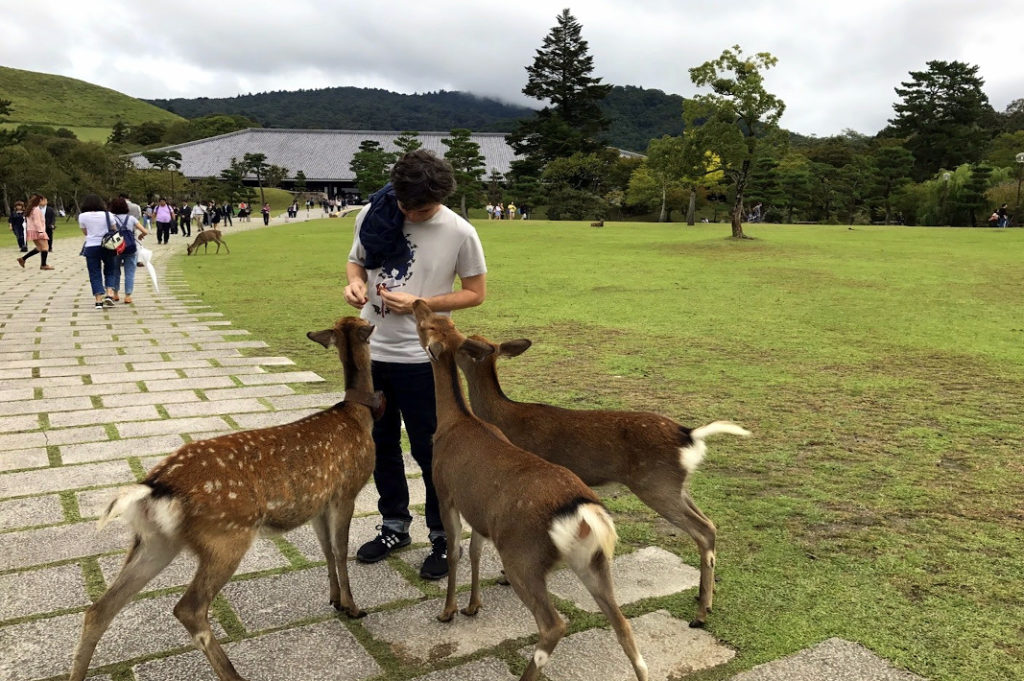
point(393, 275)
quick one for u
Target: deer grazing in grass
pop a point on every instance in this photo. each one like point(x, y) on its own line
point(213, 497)
point(204, 238)
point(536, 513)
point(652, 455)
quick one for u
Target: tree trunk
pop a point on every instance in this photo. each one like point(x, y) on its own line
point(7, 205)
point(172, 188)
point(663, 217)
point(737, 206)
point(462, 205)
point(691, 211)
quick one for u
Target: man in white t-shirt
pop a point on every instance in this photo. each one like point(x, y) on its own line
point(408, 246)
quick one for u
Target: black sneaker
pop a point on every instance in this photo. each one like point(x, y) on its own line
point(436, 564)
point(382, 545)
point(108, 302)
point(99, 305)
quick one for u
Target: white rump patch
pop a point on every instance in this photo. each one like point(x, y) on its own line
point(540, 658)
point(691, 457)
point(123, 499)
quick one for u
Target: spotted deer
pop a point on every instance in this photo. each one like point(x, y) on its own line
point(652, 455)
point(214, 497)
point(536, 513)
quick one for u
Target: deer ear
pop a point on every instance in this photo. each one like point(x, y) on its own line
point(365, 332)
point(514, 348)
point(324, 338)
point(476, 349)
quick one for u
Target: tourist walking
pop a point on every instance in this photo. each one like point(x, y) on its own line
point(164, 216)
point(185, 220)
point(228, 212)
point(35, 231)
point(387, 272)
point(128, 261)
point(266, 213)
point(17, 222)
point(197, 215)
point(95, 221)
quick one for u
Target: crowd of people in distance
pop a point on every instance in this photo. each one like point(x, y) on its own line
point(500, 212)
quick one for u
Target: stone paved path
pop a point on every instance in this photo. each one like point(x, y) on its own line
point(91, 399)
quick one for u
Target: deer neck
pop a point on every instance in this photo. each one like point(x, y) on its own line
point(451, 404)
point(485, 393)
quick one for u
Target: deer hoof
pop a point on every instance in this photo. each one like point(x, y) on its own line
point(446, 616)
point(471, 610)
point(697, 624)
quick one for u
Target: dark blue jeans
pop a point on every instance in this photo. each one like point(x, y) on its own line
point(102, 265)
point(409, 389)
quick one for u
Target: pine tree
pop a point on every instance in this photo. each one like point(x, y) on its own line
point(571, 122)
point(408, 141)
point(942, 115)
point(371, 165)
point(468, 164)
point(258, 166)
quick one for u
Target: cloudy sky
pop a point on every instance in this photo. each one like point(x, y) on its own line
point(838, 60)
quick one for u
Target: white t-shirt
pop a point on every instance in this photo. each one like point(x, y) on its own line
point(95, 225)
point(443, 247)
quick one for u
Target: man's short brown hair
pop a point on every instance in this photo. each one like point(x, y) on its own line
point(420, 179)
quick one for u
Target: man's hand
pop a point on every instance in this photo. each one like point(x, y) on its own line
point(399, 303)
point(355, 294)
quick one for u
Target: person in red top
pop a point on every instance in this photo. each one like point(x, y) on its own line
point(35, 231)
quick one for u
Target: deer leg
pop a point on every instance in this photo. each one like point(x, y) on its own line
point(319, 523)
point(216, 565)
point(339, 517)
point(531, 587)
point(596, 576)
point(226, 246)
point(145, 560)
point(675, 505)
point(453, 528)
point(476, 542)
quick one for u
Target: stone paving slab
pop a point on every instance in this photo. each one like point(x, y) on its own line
point(27, 548)
point(318, 652)
point(203, 372)
point(487, 669)
point(275, 601)
point(66, 477)
point(190, 383)
point(162, 397)
point(88, 416)
point(121, 376)
point(116, 449)
point(834, 659)
point(252, 391)
point(415, 635)
point(169, 426)
point(41, 362)
point(15, 423)
point(22, 440)
point(270, 419)
point(646, 573)
point(114, 389)
point(16, 394)
point(282, 377)
point(73, 435)
point(261, 361)
point(30, 511)
point(41, 591)
point(23, 458)
point(311, 401)
point(47, 406)
point(215, 407)
point(669, 646)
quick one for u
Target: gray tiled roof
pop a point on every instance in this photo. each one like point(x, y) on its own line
point(323, 155)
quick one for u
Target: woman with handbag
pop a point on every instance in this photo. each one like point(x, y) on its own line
point(35, 231)
point(129, 259)
point(96, 223)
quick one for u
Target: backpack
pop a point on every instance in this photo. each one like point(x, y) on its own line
point(128, 235)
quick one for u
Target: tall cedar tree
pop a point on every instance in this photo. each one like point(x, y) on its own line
point(943, 115)
point(258, 166)
point(572, 122)
point(468, 164)
point(740, 118)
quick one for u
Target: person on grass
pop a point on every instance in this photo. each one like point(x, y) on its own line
point(35, 231)
point(408, 245)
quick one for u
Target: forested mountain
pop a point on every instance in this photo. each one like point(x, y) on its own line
point(637, 114)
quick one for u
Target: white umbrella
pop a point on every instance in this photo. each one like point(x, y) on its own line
point(146, 258)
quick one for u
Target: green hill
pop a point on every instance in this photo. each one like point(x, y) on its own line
point(88, 110)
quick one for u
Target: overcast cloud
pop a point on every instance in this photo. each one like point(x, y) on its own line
point(838, 61)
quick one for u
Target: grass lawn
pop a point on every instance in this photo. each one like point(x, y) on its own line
point(880, 369)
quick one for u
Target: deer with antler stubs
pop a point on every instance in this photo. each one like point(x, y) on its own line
point(214, 497)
